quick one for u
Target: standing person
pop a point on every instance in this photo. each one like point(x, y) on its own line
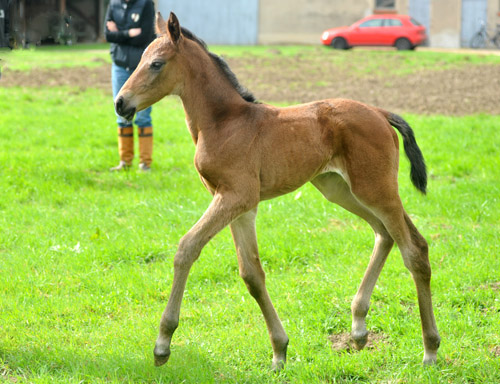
point(4, 22)
point(130, 29)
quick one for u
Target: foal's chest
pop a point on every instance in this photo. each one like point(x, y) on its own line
point(208, 164)
point(221, 161)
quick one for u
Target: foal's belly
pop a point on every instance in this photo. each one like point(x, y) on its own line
point(292, 155)
point(279, 176)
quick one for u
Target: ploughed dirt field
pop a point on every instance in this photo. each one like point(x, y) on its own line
point(390, 82)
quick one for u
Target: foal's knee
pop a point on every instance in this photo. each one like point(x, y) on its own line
point(385, 240)
point(187, 253)
point(417, 260)
point(416, 256)
point(254, 281)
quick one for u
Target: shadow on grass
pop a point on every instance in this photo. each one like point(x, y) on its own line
point(68, 365)
point(101, 179)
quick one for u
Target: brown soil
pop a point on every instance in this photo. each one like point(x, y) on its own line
point(81, 77)
point(468, 89)
point(496, 351)
point(344, 342)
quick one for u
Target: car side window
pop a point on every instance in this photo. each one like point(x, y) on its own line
point(371, 23)
point(415, 22)
point(392, 23)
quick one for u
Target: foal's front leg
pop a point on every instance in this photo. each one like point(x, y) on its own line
point(222, 210)
point(245, 239)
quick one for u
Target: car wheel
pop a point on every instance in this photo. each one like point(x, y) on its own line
point(402, 44)
point(339, 43)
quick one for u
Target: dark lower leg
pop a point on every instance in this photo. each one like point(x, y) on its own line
point(415, 252)
point(361, 302)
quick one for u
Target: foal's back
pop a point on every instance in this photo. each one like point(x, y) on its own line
point(298, 143)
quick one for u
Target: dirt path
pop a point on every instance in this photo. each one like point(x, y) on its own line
point(465, 90)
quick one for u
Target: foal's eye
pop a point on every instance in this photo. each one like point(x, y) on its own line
point(156, 65)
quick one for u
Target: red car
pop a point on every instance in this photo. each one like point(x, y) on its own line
point(400, 31)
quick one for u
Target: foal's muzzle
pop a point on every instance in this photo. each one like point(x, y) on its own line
point(123, 109)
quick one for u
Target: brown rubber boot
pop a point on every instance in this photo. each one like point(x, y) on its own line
point(145, 148)
point(125, 148)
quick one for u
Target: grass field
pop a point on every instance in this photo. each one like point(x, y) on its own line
point(86, 258)
point(366, 60)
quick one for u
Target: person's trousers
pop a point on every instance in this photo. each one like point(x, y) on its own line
point(119, 76)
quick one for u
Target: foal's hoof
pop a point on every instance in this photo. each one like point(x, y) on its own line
point(278, 365)
point(360, 339)
point(161, 357)
point(430, 358)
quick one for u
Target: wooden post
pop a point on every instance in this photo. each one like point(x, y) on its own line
point(62, 7)
point(22, 15)
point(98, 21)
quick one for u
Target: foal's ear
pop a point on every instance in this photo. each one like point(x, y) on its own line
point(161, 25)
point(174, 28)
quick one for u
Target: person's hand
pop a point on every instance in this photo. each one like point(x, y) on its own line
point(133, 32)
point(111, 25)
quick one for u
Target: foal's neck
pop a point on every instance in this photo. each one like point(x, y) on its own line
point(208, 97)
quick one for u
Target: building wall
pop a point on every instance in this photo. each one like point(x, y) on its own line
point(303, 21)
point(446, 19)
point(403, 6)
point(493, 13)
point(453, 27)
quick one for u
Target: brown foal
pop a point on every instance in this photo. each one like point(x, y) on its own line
point(247, 152)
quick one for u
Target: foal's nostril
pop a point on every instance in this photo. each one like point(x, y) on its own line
point(124, 108)
point(119, 105)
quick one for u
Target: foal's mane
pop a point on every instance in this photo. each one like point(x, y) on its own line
point(222, 65)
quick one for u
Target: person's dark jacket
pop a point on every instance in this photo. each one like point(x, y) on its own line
point(126, 51)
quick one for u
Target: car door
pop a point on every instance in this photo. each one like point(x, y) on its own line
point(393, 28)
point(366, 33)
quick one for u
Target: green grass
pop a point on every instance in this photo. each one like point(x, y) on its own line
point(359, 60)
point(363, 62)
point(85, 55)
point(86, 259)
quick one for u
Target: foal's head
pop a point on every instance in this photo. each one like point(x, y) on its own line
point(159, 72)
point(174, 57)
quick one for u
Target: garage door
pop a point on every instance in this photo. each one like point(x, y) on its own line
point(473, 14)
point(420, 10)
point(216, 21)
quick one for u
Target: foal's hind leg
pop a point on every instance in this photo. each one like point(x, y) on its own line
point(245, 239)
point(361, 302)
point(414, 250)
point(336, 190)
point(382, 198)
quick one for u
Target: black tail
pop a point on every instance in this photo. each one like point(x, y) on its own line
point(418, 172)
